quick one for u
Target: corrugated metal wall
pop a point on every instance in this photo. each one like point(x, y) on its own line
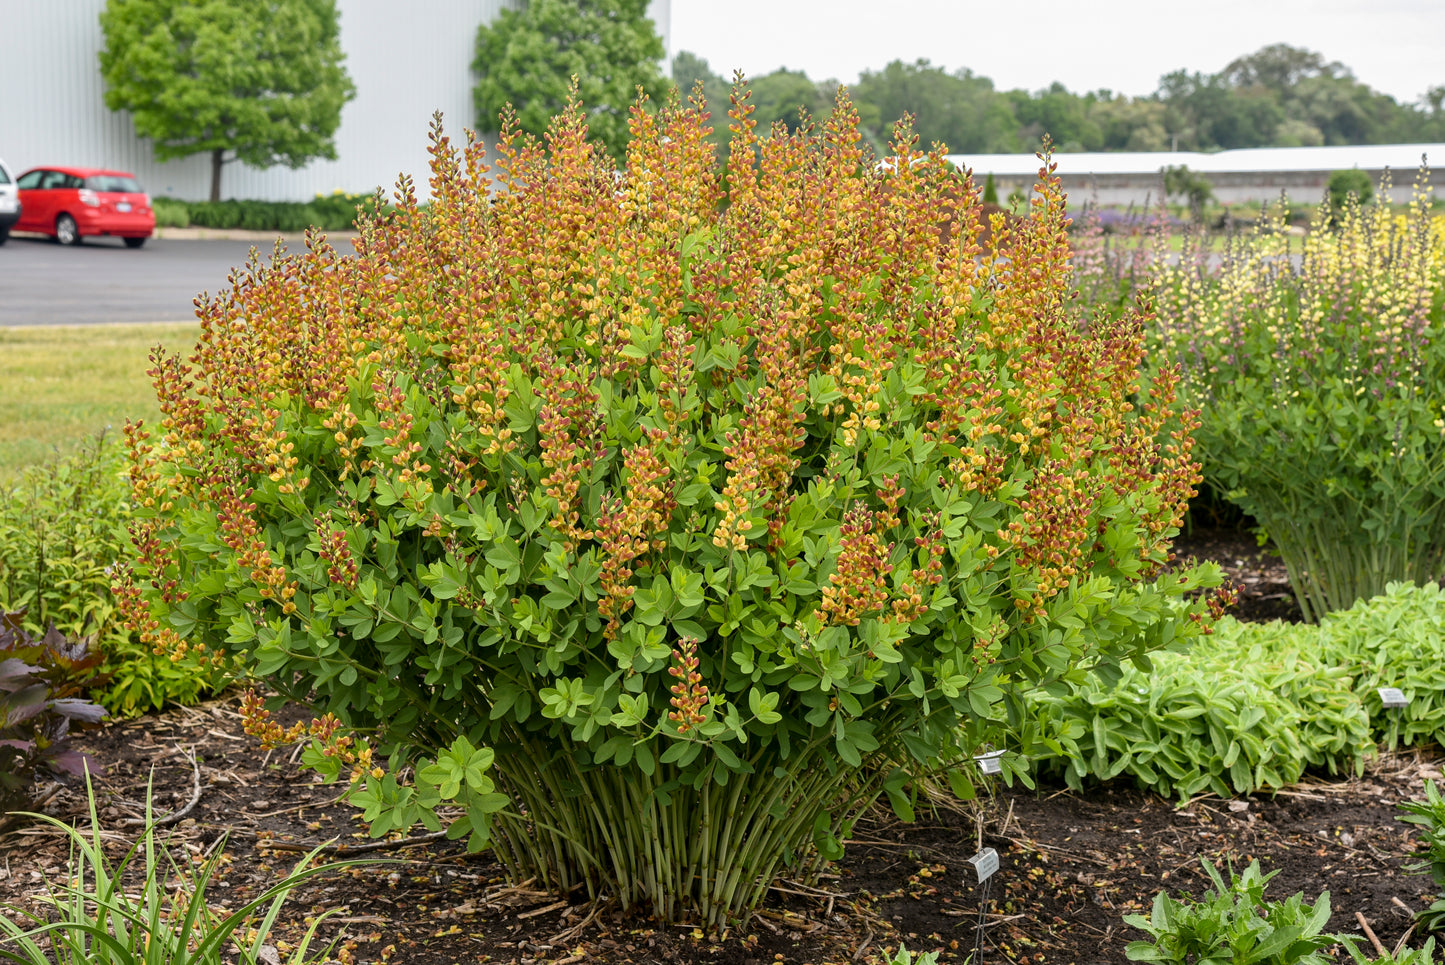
point(406, 59)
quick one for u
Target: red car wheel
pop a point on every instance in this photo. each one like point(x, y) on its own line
point(67, 232)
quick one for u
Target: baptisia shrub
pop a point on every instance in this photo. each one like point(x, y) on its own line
point(659, 526)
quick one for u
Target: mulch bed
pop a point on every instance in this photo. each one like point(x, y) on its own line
point(1071, 864)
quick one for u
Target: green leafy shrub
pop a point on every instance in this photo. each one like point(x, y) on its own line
point(1249, 708)
point(1255, 705)
point(1344, 184)
point(1321, 380)
point(171, 213)
point(337, 211)
point(114, 914)
point(40, 683)
point(661, 531)
point(1234, 923)
point(62, 536)
point(990, 190)
point(288, 216)
point(62, 530)
point(1192, 186)
point(138, 681)
point(329, 212)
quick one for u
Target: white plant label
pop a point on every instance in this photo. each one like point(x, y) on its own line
point(985, 863)
point(989, 763)
point(1393, 697)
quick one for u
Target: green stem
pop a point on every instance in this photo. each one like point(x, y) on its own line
point(709, 853)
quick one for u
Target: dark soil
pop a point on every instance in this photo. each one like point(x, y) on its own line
point(1256, 572)
point(1072, 865)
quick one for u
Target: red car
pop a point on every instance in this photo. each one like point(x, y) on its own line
point(70, 203)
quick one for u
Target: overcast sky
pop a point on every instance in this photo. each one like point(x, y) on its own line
point(1395, 46)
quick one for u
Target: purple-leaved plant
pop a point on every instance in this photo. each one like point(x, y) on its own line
point(41, 680)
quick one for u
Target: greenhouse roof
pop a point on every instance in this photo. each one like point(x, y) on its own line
point(1371, 157)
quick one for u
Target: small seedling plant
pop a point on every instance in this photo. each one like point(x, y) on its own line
point(1234, 924)
point(1429, 816)
point(1399, 955)
point(904, 957)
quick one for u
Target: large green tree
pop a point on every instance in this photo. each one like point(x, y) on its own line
point(259, 81)
point(688, 69)
point(959, 109)
point(1205, 112)
point(780, 95)
point(1283, 95)
point(527, 58)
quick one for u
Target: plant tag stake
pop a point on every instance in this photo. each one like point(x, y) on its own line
point(1393, 697)
point(988, 764)
point(985, 863)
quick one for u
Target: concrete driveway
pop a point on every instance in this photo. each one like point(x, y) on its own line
point(103, 282)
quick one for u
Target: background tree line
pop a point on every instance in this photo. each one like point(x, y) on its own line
point(1278, 96)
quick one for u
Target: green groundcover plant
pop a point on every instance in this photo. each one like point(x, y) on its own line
point(1394, 640)
point(1320, 376)
point(1251, 708)
point(1256, 705)
point(648, 523)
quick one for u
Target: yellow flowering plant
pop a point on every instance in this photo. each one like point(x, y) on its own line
point(648, 523)
point(1319, 374)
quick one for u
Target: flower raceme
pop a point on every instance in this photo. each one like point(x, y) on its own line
point(617, 499)
point(689, 693)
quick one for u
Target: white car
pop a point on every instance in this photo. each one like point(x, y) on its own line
point(9, 202)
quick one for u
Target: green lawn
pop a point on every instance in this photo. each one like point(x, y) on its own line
point(59, 385)
point(1129, 242)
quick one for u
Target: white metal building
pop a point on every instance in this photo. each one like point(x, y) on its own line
point(408, 58)
point(1249, 175)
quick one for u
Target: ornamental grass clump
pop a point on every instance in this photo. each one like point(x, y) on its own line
point(1321, 380)
point(648, 523)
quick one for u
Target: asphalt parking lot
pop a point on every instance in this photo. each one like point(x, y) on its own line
point(104, 282)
